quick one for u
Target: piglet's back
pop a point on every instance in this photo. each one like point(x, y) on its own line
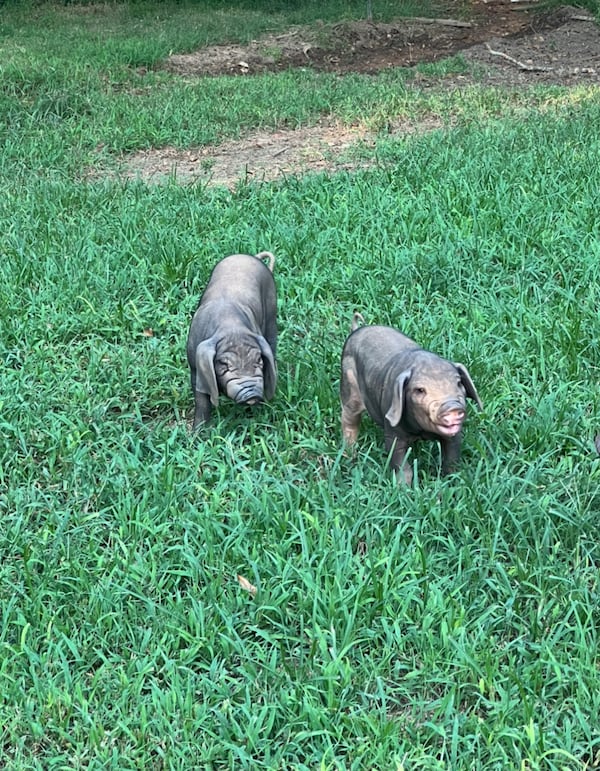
point(238, 276)
point(379, 342)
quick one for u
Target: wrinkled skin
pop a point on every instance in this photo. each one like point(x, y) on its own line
point(233, 336)
point(412, 393)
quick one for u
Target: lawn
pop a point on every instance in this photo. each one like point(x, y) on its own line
point(454, 625)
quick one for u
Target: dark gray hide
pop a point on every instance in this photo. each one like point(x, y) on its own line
point(412, 393)
point(233, 335)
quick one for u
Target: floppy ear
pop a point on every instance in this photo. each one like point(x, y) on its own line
point(468, 384)
point(269, 367)
point(394, 414)
point(206, 380)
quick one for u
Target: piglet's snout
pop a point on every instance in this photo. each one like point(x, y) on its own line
point(248, 392)
point(451, 416)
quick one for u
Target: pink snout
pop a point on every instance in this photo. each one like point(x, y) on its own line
point(450, 421)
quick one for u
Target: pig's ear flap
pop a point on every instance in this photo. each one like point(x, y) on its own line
point(270, 367)
point(394, 414)
point(468, 384)
point(206, 380)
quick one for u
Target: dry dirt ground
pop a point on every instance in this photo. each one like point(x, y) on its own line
point(503, 43)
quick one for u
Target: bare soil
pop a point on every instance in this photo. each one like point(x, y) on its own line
point(504, 44)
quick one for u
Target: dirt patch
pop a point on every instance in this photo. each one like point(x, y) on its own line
point(263, 156)
point(359, 46)
point(503, 47)
point(565, 51)
point(563, 43)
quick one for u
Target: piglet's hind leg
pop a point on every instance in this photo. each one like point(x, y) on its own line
point(352, 407)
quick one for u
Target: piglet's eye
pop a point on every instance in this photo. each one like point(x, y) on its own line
point(419, 390)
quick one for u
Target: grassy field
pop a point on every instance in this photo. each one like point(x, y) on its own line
point(452, 626)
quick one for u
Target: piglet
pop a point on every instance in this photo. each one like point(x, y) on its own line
point(233, 335)
point(412, 393)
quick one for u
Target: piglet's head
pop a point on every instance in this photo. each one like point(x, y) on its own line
point(430, 397)
point(242, 366)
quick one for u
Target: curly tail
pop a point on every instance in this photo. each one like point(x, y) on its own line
point(356, 319)
point(271, 256)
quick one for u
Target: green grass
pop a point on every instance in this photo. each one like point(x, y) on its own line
point(453, 626)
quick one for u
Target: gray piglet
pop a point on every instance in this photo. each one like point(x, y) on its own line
point(412, 393)
point(232, 340)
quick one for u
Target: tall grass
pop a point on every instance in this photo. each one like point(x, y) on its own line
point(454, 625)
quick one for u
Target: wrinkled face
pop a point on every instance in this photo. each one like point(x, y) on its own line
point(436, 398)
point(239, 372)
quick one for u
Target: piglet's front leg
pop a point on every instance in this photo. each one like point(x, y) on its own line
point(202, 410)
point(398, 446)
point(450, 454)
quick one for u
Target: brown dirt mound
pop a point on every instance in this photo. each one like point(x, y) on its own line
point(368, 47)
